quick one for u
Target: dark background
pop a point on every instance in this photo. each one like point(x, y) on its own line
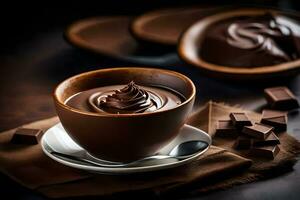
point(34, 58)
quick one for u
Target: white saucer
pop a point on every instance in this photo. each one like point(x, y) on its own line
point(56, 138)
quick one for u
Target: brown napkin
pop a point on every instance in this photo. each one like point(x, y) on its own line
point(217, 168)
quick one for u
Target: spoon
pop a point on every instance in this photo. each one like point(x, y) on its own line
point(179, 152)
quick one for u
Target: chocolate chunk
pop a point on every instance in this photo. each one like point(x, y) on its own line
point(225, 128)
point(259, 131)
point(27, 136)
point(276, 119)
point(272, 139)
point(281, 98)
point(243, 142)
point(272, 113)
point(240, 120)
point(268, 152)
point(246, 142)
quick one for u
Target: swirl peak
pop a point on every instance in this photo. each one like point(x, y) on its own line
point(130, 99)
point(263, 33)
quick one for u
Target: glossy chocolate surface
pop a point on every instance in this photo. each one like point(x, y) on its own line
point(244, 41)
point(124, 99)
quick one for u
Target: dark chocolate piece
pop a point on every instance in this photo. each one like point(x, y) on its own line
point(268, 152)
point(225, 128)
point(259, 131)
point(246, 142)
point(272, 139)
point(281, 98)
point(276, 119)
point(243, 142)
point(27, 136)
point(240, 120)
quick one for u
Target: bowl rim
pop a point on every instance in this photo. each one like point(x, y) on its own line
point(170, 72)
point(185, 44)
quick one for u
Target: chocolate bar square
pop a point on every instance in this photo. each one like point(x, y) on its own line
point(268, 152)
point(276, 119)
point(27, 136)
point(281, 98)
point(225, 128)
point(259, 131)
point(272, 139)
point(243, 142)
point(246, 142)
point(240, 120)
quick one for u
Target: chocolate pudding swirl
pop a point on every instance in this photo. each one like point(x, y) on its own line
point(256, 36)
point(130, 99)
point(255, 41)
point(125, 99)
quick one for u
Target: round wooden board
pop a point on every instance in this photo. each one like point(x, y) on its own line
point(110, 36)
point(190, 42)
point(165, 26)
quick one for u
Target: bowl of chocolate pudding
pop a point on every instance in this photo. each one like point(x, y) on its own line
point(124, 114)
point(244, 43)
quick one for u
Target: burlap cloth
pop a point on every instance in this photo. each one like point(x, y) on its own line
point(220, 167)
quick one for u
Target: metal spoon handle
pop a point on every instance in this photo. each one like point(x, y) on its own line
point(87, 161)
point(130, 164)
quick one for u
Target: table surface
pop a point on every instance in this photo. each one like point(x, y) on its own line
point(33, 66)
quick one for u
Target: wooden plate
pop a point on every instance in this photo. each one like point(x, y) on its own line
point(110, 36)
point(190, 44)
point(165, 26)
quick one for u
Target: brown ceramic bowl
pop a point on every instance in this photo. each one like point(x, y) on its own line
point(191, 40)
point(123, 137)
